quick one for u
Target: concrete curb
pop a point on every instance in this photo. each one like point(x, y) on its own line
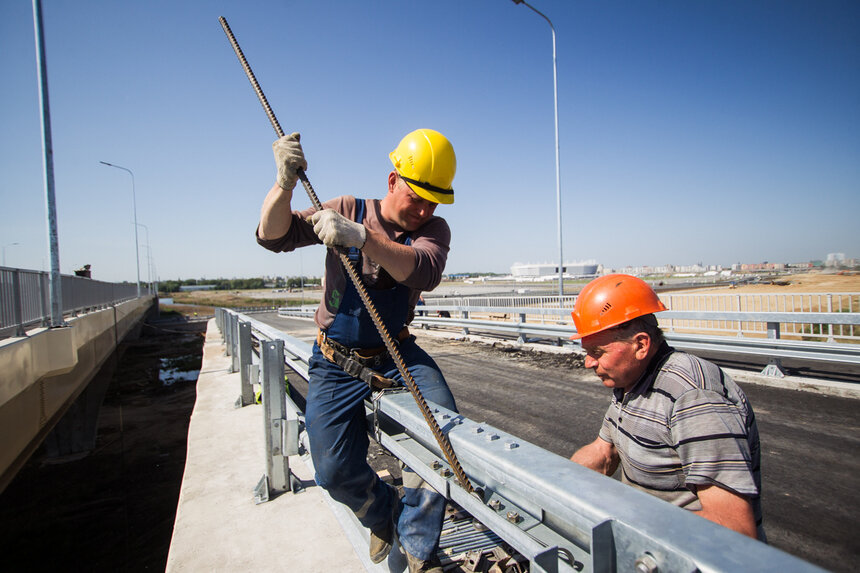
point(826, 387)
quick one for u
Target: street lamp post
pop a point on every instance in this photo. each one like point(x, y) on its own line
point(56, 284)
point(557, 170)
point(134, 206)
point(148, 256)
point(4, 251)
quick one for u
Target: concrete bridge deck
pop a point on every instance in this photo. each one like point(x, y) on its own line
point(218, 527)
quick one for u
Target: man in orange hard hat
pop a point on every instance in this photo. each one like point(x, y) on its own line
point(678, 426)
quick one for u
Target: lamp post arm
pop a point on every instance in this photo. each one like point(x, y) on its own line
point(134, 207)
point(557, 158)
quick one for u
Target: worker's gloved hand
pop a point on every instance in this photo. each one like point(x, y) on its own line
point(335, 230)
point(289, 157)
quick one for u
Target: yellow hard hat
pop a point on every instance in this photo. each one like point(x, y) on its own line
point(425, 159)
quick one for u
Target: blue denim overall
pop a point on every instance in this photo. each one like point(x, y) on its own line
point(337, 429)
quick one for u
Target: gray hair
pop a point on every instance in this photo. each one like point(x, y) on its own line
point(646, 324)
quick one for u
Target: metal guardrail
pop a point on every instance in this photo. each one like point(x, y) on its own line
point(25, 298)
point(811, 304)
point(517, 321)
point(561, 516)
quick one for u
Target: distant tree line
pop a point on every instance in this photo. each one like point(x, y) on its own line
point(239, 284)
point(473, 275)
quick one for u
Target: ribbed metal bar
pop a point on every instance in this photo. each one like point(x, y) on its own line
point(393, 349)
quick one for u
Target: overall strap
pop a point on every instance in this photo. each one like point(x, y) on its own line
point(354, 253)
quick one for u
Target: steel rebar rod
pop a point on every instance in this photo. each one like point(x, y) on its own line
point(390, 345)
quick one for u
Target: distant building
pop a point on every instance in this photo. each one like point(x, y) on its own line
point(758, 267)
point(646, 270)
point(835, 260)
point(539, 271)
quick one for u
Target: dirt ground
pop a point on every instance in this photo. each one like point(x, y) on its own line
point(112, 510)
point(812, 282)
point(244, 298)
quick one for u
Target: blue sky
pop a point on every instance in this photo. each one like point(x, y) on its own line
point(707, 131)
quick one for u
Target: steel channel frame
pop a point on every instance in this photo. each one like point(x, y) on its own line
point(566, 511)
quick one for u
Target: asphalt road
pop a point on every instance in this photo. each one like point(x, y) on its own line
point(810, 442)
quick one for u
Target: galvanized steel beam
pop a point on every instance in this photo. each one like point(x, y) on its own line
point(560, 515)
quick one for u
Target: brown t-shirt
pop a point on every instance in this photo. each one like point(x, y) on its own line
point(430, 244)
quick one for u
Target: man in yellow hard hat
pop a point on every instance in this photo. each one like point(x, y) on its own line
point(678, 426)
point(400, 248)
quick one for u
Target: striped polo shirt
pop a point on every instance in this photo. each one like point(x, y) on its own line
point(685, 423)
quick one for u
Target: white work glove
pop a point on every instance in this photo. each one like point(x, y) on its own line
point(289, 157)
point(335, 230)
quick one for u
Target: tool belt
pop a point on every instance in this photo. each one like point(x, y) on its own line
point(359, 362)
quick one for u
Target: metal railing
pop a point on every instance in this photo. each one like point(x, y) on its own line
point(25, 298)
point(808, 304)
point(560, 516)
point(530, 324)
point(544, 308)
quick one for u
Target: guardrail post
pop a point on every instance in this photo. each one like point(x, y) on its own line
point(773, 330)
point(830, 309)
point(465, 316)
point(19, 304)
point(234, 342)
point(228, 334)
point(44, 303)
point(774, 367)
point(521, 338)
point(244, 359)
point(740, 333)
point(281, 433)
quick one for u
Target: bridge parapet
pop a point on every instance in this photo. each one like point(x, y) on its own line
point(25, 298)
point(43, 373)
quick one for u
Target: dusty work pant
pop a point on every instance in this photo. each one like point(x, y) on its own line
point(337, 430)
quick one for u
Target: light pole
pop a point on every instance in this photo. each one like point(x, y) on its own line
point(148, 256)
point(4, 251)
point(557, 170)
point(56, 284)
point(134, 205)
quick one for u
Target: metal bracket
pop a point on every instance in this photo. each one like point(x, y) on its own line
point(774, 368)
point(285, 437)
point(261, 490)
point(617, 546)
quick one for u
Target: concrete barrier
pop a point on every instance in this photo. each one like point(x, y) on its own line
point(43, 373)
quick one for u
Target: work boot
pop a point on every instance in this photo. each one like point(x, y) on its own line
point(382, 539)
point(432, 565)
point(380, 542)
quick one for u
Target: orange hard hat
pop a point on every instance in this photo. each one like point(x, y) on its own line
point(611, 300)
